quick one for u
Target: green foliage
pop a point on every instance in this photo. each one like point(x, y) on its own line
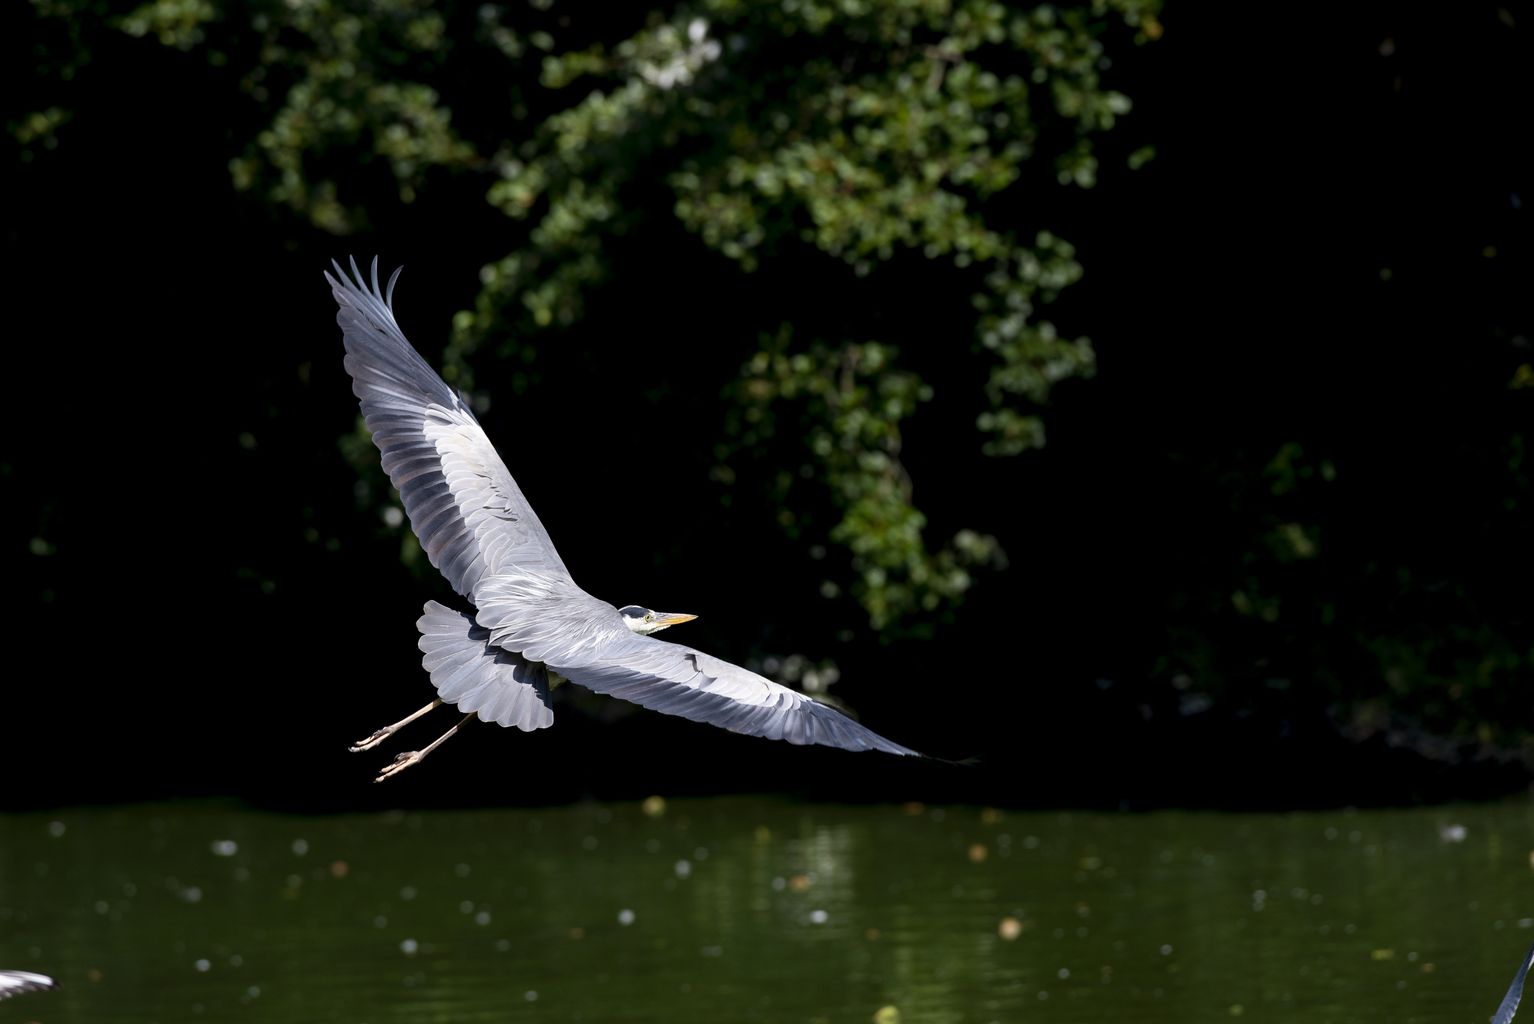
point(829, 137)
point(885, 137)
point(853, 401)
point(340, 84)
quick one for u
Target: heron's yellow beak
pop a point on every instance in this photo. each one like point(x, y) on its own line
point(664, 619)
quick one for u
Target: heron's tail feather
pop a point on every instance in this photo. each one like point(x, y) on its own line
point(500, 686)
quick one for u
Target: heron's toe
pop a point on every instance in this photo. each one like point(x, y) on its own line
point(400, 763)
point(372, 741)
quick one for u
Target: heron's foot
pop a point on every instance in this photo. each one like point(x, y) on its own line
point(373, 740)
point(400, 763)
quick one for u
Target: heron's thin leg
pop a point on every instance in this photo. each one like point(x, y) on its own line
point(389, 730)
point(405, 760)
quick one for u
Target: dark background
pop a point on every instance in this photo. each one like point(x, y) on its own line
point(1311, 307)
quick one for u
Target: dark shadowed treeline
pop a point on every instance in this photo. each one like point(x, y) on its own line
point(1132, 396)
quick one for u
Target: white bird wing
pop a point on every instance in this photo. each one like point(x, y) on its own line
point(1514, 995)
point(468, 513)
point(549, 619)
point(678, 680)
point(14, 983)
point(499, 685)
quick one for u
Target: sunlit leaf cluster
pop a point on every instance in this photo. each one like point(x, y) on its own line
point(887, 136)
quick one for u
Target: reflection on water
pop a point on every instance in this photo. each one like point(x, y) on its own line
point(731, 910)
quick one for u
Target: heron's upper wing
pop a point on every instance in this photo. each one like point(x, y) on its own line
point(14, 983)
point(1514, 991)
point(678, 680)
point(467, 511)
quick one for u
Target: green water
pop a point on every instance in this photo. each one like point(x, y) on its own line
point(761, 910)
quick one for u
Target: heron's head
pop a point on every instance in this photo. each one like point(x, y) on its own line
point(643, 620)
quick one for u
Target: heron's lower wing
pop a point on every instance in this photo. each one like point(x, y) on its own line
point(14, 983)
point(678, 680)
point(499, 685)
point(468, 513)
point(1514, 992)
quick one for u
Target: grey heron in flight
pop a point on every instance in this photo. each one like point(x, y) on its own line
point(531, 622)
point(1514, 995)
point(14, 983)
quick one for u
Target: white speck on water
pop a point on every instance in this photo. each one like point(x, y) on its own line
point(254, 992)
point(1063, 973)
point(409, 946)
point(236, 960)
point(683, 868)
point(393, 516)
point(1166, 950)
point(818, 917)
point(225, 847)
point(102, 906)
point(1331, 832)
point(530, 996)
point(1453, 833)
point(461, 870)
point(701, 853)
point(466, 907)
point(300, 847)
point(502, 945)
point(407, 893)
point(201, 965)
point(56, 829)
point(482, 918)
point(192, 894)
point(625, 917)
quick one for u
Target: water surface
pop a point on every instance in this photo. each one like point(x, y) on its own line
point(761, 910)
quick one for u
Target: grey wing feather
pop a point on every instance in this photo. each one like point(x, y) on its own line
point(678, 680)
point(1514, 992)
point(14, 983)
point(499, 685)
point(468, 513)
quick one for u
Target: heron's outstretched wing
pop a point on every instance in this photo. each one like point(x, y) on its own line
point(467, 511)
point(678, 680)
point(14, 983)
point(1514, 991)
point(499, 685)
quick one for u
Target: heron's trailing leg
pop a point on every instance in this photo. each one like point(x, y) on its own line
point(409, 758)
point(389, 730)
